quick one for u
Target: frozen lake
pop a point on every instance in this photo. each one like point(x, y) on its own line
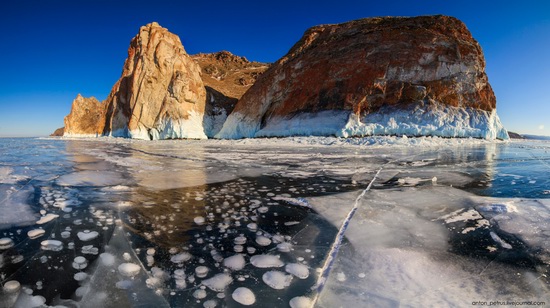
point(373, 222)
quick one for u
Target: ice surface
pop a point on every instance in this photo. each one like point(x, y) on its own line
point(274, 206)
point(14, 206)
point(91, 178)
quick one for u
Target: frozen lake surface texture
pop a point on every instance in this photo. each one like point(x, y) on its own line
point(295, 222)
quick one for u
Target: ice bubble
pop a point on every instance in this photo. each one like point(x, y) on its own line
point(252, 226)
point(263, 209)
point(341, 277)
point(181, 257)
point(211, 303)
point(12, 286)
point(6, 243)
point(300, 302)
point(181, 284)
point(32, 234)
point(151, 251)
point(47, 218)
point(87, 235)
point(90, 250)
point(107, 259)
point(251, 250)
point(263, 241)
point(240, 240)
point(153, 282)
point(238, 248)
point(235, 262)
point(201, 271)
point(124, 284)
point(199, 220)
point(126, 256)
point(244, 296)
point(129, 269)
point(265, 261)
point(299, 270)
point(80, 262)
point(284, 247)
point(80, 276)
point(65, 234)
point(179, 274)
point(276, 279)
point(16, 259)
point(52, 245)
point(199, 294)
point(218, 282)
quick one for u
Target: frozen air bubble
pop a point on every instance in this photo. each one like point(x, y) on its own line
point(32, 234)
point(341, 277)
point(153, 282)
point(65, 234)
point(211, 303)
point(284, 247)
point(244, 296)
point(238, 248)
point(218, 283)
point(6, 243)
point(199, 220)
point(52, 245)
point(80, 262)
point(181, 284)
point(80, 276)
point(263, 209)
point(300, 302)
point(263, 241)
point(201, 271)
point(124, 284)
point(276, 279)
point(240, 240)
point(16, 259)
point(181, 257)
point(235, 262)
point(47, 218)
point(12, 286)
point(126, 256)
point(299, 270)
point(266, 261)
point(129, 269)
point(87, 235)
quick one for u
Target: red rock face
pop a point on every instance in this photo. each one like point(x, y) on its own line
point(84, 119)
point(361, 66)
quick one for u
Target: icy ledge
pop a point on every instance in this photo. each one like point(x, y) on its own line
point(418, 120)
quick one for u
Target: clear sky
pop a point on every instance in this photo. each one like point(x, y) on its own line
point(52, 50)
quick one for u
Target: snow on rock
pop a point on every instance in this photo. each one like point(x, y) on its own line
point(244, 296)
point(266, 261)
point(276, 279)
point(218, 283)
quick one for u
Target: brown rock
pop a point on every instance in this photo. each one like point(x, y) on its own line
point(338, 75)
point(226, 78)
point(58, 132)
point(84, 118)
point(160, 94)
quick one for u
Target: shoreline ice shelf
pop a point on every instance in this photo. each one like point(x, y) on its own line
point(212, 223)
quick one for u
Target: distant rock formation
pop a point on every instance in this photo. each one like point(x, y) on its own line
point(515, 135)
point(391, 75)
point(160, 94)
point(226, 78)
point(84, 119)
point(58, 132)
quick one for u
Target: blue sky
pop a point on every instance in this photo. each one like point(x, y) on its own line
point(52, 50)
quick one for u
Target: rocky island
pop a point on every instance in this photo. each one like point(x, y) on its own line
point(417, 76)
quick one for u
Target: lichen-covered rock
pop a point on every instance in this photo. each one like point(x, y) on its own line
point(160, 94)
point(84, 119)
point(337, 78)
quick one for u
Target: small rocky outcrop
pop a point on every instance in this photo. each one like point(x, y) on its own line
point(84, 119)
point(226, 78)
point(391, 75)
point(58, 132)
point(160, 94)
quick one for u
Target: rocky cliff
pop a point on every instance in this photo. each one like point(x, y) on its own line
point(84, 119)
point(414, 76)
point(226, 78)
point(160, 94)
